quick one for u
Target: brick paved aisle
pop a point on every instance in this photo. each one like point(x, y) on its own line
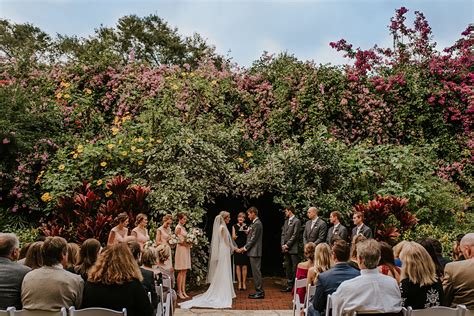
point(274, 300)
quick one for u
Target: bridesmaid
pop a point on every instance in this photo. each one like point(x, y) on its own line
point(182, 259)
point(163, 235)
point(140, 232)
point(119, 232)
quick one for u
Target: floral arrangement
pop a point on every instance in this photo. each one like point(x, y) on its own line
point(174, 240)
point(193, 236)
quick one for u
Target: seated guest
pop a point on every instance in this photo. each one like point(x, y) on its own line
point(420, 287)
point(322, 262)
point(114, 282)
point(387, 262)
point(303, 267)
point(11, 272)
point(327, 282)
point(163, 252)
point(431, 251)
point(51, 287)
point(87, 257)
point(353, 261)
point(34, 258)
point(371, 291)
point(72, 256)
point(458, 282)
point(439, 251)
point(457, 253)
point(149, 259)
point(23, 251)
point(396, 252)
point(148, 281)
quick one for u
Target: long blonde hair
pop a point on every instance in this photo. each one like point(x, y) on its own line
point(417, 264)
point(115, 265)
point(322, 258)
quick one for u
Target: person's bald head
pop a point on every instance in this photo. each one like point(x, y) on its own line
point(9, 246)
point(467, 245)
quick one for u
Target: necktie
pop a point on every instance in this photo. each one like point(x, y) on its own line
point(312, 225)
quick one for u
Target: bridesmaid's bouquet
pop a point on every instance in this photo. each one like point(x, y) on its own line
point(174, 240)
point(193, 236)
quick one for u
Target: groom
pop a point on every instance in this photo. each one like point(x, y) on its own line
point(253, 248)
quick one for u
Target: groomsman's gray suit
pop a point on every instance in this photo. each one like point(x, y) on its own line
point(340, 231)
point(253, 247)
point(290, 236)
point(317, 233)
point(365, 230)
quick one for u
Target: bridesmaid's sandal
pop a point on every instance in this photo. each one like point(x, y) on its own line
point(181, 296)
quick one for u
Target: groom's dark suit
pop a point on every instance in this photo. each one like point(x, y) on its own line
point(253, 247)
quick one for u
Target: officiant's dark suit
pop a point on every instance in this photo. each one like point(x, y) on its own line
point(253, 248)
point(290, 236)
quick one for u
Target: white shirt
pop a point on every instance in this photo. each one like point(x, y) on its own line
point(313, 222)
point(334, 227)
point(359, 228)
point(371, 291)
point(290, 219)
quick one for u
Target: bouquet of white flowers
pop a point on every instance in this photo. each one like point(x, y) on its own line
point(174, 240)
point(192, 236)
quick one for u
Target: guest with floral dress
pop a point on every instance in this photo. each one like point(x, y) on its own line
point(420, 287)
point(163, 236)
point(182, 258)
point(140, 232)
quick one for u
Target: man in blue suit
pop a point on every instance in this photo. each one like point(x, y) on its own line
point(328, 282)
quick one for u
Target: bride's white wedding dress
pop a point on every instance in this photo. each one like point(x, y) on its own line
point(221, 290)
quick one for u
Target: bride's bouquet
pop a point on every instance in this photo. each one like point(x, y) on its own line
point(193, 236)
point(174, 240)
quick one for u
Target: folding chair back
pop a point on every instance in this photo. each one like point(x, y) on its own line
point(328, 305)
point(160, 308)
point(297, 304)
point(96, 311)
point(438, 311)
point(24, 312)
point(7, 311)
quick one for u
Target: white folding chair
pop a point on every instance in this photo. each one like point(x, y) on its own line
point(149, 296)
point(160, 308)
point(355, 313)
point(7, 311)
point(24, 312)
point(460, 310)
point(310, 290)
point(168, 304)
point(297, 304)
point(328, 305)
point(96, 311)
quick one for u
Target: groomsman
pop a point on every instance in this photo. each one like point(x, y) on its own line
point(315, 229)
point(361, 228)
point(337, 230)
point(290, 235)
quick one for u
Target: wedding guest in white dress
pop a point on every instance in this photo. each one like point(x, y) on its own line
point(221, 290)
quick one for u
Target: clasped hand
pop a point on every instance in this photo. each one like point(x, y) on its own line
point(239, 250)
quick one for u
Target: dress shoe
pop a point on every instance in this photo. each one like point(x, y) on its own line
point(257, 296)
point(287, 289)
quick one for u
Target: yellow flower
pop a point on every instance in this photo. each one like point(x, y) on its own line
point(103, 164)
point(183, 74)
point(116, 120)
point(41, 173)
point(139, 150)
point(175, 87)
point(191, 74)
point(65, 84)
point(120, 142)
point(67, 96)
point(59, 95)
point(159, 141)
point(61, 167)
point(108, 193)
point(140, 162)
point(75, 156)
point(38, 180)
point(46, 197)
point(189, 141)
point(151, 139)
point(140, 139)
point(248, 154)
point(87, 91)
point(115, 130)
point(72, 152)
point(124, 153)
point(110, 146)
point(150, 145)
point(214, 82)
point(99, 182)
point(240, 159)
point(133, 148)
point(246, 165)
point(80, 148)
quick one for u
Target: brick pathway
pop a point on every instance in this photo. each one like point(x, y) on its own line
point(274, 299)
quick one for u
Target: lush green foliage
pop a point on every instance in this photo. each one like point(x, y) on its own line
point(140, 102)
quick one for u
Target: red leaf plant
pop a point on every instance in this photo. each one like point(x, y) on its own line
point(89, 213)
point(387, 216)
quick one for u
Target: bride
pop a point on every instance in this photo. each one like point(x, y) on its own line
point(221, 291)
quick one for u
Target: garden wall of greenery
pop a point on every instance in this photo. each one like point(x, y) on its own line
point(137, 118)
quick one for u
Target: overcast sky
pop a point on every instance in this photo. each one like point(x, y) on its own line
point(243, 29)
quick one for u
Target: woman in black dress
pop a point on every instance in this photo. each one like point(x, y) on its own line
point(241, 261)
